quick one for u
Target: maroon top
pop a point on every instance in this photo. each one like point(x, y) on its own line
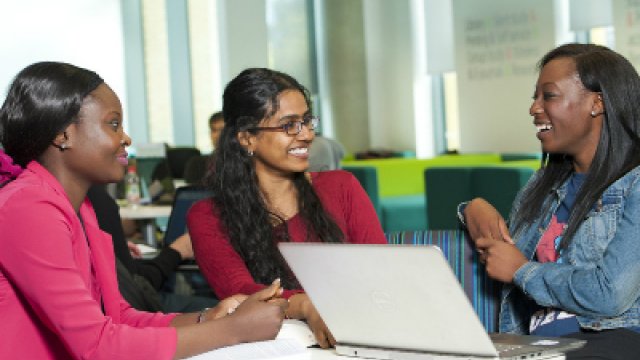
point(341, 196)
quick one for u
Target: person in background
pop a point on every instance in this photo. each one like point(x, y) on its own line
point(325, 154)
point(153, 272)
point(198, 166)
point(60, 296)
point(570, 259)
point(216, 124)
point(262, 195)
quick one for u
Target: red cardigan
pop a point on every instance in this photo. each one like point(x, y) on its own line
point(341, 195)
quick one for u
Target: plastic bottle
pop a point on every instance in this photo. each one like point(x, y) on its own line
point(132, 186)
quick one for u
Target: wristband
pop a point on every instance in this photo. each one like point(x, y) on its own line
point(460, 210)
point(202, 314)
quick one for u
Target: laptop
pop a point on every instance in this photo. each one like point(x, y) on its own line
point(402, 302)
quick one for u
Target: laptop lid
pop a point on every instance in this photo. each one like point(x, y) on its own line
point(389, 296)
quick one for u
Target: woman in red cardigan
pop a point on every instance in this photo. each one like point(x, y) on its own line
point(262, 195)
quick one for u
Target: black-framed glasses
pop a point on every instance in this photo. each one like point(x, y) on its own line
point(293, 127)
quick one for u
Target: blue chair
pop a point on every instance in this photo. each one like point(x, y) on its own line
point(185, 197)
point(483, 293)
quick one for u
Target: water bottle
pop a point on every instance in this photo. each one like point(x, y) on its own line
point(132, 186)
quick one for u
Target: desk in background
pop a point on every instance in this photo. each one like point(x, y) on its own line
point(147, 214)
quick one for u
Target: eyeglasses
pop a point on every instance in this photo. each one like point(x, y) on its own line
point(293, 127)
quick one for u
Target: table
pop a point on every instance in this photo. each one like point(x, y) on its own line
point(147, 214)
point(313, 354)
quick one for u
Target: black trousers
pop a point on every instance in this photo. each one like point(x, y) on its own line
point(616, 344)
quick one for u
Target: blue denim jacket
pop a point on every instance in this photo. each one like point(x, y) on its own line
point(599, 278)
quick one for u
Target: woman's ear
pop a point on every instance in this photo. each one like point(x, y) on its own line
point(598, 105)
point(246, 140)
point(61, 141)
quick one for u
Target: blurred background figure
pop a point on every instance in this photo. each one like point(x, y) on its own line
point(197, 167)
point(216, 124)
point(325, 154)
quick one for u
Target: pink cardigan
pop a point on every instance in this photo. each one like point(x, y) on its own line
point(55, 282)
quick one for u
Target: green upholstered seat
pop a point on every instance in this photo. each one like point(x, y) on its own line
point(483, 293)
point(445, 188)
point(406, 212)
point(499, 185)
point(368, 178)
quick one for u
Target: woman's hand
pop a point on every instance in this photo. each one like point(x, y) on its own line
point(300, 307)
point(484, 221)
point(225, 307)
point(134, 250)
point(501, 259)
point(183, 246)
point(259, 316)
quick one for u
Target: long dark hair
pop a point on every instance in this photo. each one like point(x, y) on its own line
point(604, 71)
point(44, 98)
point(249, 98)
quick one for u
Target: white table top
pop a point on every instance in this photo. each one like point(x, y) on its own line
point(145, 211)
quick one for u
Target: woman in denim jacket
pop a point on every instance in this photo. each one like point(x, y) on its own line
point(570, 259)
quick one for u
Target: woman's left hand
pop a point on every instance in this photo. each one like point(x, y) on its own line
point(501, 258)
point(300, 307)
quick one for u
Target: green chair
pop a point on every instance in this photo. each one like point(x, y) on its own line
point(499, 185)
point(406, 212)
point(368, 178)
point(445, 188)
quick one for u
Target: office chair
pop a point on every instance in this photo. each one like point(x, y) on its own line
point(185, 197)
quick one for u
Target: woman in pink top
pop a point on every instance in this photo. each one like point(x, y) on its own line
point(59, 296)
point(262, 194)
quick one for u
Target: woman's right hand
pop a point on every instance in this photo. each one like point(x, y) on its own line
point(260, 316)
point(484, 221)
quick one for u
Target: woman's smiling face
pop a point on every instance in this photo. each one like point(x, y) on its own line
point(276, 151)
point(97, 139)
point(563, 112)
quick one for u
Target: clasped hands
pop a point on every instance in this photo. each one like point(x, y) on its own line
point(492, 240)
point(269, 299)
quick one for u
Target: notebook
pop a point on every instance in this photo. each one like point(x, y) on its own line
point(401, 302)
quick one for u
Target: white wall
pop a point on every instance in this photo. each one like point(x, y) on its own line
point(86, 33)
point(390, 77)
point(498, 43)
point(243, 32)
